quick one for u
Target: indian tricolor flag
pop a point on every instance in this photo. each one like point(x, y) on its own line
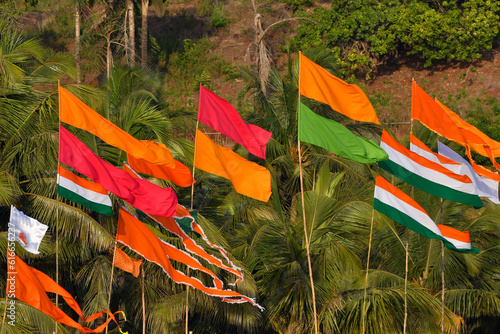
point(417, 146)
point(401, 208)
point(89, 194)
point(427, 175)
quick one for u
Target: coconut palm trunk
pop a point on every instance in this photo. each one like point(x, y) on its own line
point(144, 34)
point(131, 32)
point(78, 60)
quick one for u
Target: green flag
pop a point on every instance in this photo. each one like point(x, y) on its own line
point(336, 138)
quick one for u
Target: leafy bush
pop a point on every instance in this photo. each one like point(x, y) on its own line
point(365, 33)
point(218, 18)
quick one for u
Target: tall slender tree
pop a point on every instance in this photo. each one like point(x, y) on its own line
point(144, 33)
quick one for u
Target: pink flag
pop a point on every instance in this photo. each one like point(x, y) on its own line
point(219, 114)
point(141, 194)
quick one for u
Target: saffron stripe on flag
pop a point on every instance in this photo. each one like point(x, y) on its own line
point(78, 190)
point(427, 175)
point(401, 208)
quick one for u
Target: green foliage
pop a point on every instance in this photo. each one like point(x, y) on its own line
point(365, 33)
point(192, 65)
point(298, 4)
point(219, 18)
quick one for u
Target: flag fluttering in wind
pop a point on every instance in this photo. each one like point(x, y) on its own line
point(417, 146)
point(184, 222)
point(427, 175)
point(485, 187)
point(460, 240)
point(401, 208)
point(135, 235)
point(318, 84)
point(178, 226)
point(219, 114)
point(126, 263)
point(76, 113)
point(89, 194)
point(180, 174)
point(31, 287)
point(248, 178)
point(28, 231)
point(336, 138)
point(141, 194)
point(448, 124)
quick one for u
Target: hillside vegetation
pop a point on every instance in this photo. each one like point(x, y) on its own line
point(147, 82)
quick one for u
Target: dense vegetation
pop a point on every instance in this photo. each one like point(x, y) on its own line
point(367, 33)
point(155, 101)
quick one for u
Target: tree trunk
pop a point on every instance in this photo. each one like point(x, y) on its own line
point(131, 32)
point(144, 34)
point(109, 55)
point(77, 44)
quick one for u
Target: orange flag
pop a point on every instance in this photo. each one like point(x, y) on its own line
point(31, 287)
point(126, 263)
point(134, 234)
point(248, 178)
point(476, 139)
point(318, 84)
point(172, 224)
point(180, 174)
point(440, 119)
point(76, 113)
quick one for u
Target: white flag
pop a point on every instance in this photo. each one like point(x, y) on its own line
point(28, 231)
point(485, 187)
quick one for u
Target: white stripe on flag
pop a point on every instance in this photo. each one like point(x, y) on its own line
point(88, 194)
point(484, 187)
point(426, 172)
point(418, 215)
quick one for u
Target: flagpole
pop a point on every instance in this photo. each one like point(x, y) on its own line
point(194, 163)
point(111, 281)
point(306, 238)
point(442, 265)
point(57, 215)
point(4, 311)
point(57, 252)
point(187, 305)
point(143, 304)
point(366, 276)
point(442, 274)
point(406, 282)
point(192, 204)
point(407, 253)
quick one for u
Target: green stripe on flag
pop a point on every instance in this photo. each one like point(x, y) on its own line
point(100, 208)
point(429, 186)
point(403, 219)
point(412, 224)
point(185, 224)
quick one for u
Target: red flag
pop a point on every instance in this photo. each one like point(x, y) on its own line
point(141, 194)
point(219, 114)
point(134, 234)
point(31, 287)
